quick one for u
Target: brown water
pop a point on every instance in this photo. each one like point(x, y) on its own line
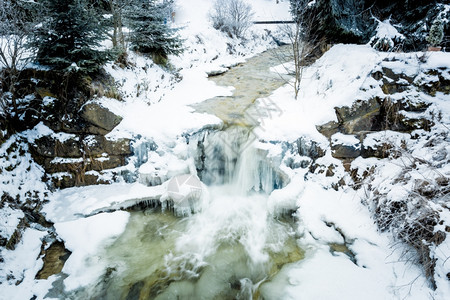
point(251, 80)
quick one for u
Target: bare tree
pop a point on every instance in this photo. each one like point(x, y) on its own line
point(14, 54)
point(13, 33)
point(302, 40)
point(231, 16)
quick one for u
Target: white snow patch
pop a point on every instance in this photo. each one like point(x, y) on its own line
point(85, 237)
point(344, 139)
point(77, 202)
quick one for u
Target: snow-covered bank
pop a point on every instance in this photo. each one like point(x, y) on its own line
point(346, 255)
point(404, 188)
point(157, 103)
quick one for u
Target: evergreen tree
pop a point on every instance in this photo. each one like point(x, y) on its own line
point(150, 30)
point(436, 33)
point(70, 37)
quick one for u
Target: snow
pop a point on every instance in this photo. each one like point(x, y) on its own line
point(386, 31)
point(344, 139)
point(74, 203)
point(9, 219)
point(20, 174)
point(84, 237)
point(20, 267)
point(333, 80)
point(375, 272)
point(392, 137)
point(155, 106)
point(41, 130)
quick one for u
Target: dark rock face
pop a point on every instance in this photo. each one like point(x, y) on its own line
point(400, 106)
point(102, 119)
point(345, 151)
point(70, 159)
point(360, 117)
point(77, 153)
point(351, 21)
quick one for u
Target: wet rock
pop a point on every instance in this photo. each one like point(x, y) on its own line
point(135, 290)
point(102, 118)
point(362, 116)
point(55, 257)
point(345, 146)
point(328, 129)
point(395, 76)
point(309, 148)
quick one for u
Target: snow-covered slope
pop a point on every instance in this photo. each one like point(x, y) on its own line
point(346, 256)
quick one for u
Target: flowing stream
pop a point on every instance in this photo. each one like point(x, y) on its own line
point(235, 243)
point(251, 80)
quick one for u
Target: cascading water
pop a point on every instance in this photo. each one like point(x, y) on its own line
point(227, 157)
point(228, 249)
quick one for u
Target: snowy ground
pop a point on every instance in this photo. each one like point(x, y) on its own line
point(156, 107)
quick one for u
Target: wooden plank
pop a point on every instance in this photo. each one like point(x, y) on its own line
point(273, 22)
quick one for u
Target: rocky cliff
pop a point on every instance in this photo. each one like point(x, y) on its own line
point(69, 141)
point(353, 21)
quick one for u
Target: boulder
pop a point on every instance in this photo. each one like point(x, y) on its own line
point(48, 146)
point(395, 76)
point(75, 161)
point(345, 151)
point(345, 146)
point(328, 129)
point(434, 81)
point(66, 180)
point(99, 116)
point(362, 116)
point(96, 145)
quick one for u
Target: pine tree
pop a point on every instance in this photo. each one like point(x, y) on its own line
point(70, 37)
point(436, 33)
point(150, 29)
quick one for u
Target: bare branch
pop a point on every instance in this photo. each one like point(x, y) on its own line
point(231, 16)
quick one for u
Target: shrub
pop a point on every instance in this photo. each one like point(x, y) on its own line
point(232, 16)
point(436, 33)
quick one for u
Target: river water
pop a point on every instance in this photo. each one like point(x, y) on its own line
point(251, 80)
point(235, 244)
